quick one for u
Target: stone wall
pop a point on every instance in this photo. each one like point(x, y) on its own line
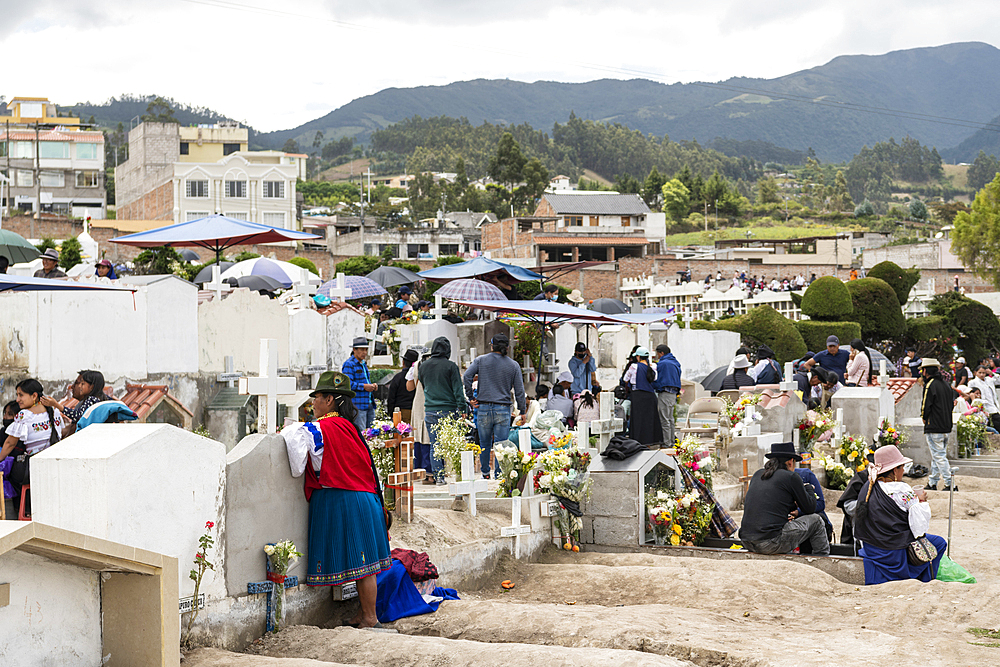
point(156, 204)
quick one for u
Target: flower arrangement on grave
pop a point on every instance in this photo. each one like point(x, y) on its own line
point(391, 338)
point(816, 426)
point(678, 519)
point(515, 468)
point(853, 451)
point(201, 565)
point(694, 455)
point(280, 557)
point(660, 507)
point(887, 434)
point(567, 439)
point(564, 473)
point(971, 428)
point(837, 474)
point(734, 412)
point(379, 437)
point(452, 433)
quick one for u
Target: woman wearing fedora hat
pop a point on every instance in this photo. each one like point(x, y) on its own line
point(889, 517)
point(348, 525)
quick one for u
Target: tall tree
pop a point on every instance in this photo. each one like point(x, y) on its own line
point(291, 146)
point(676, 198)
point(976, 239)
point(767, 191)
point(507, 163)
point(840, 197)
point(318, 139)
point(982, 170)
point(159, 111)
point(536, 179)
point(652, 187)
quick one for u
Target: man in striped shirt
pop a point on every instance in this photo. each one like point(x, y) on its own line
point(356, 369)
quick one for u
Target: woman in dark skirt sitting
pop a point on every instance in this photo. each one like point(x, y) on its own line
point(348, 533)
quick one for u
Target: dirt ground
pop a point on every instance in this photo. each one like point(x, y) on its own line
point(645, 609)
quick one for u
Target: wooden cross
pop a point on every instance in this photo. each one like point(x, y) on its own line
point(469, 485)
point(217, 285)
point(438, 311)
point(305, 288)
point(230, 376)
point(341, 292)
point(267, 386)
point(745, 479)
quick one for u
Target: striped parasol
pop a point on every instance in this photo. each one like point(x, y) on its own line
point(360, 287)
point(471, 289)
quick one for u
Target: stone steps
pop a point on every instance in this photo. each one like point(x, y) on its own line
point(978, 466)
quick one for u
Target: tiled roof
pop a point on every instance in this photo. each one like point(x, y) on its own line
point(570, 240)
point(336, 307)
point(771, 398)
point(898, 386)
point(602, 204)
point(28, 135)
point(141, 398)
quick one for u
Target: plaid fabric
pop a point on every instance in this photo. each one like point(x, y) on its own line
point(360, 287)
point(358, 372)
point(722, 525)
point(470, 289)
point(418, 565)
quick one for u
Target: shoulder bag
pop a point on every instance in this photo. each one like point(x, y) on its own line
point(920, 551)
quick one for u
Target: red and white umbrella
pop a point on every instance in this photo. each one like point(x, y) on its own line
point(471, 289)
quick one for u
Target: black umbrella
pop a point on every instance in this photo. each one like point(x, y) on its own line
point(189, 255)
point(256, 283)
point(609, 306)
point(205, 275)
point(390, 276)
point(713, 382)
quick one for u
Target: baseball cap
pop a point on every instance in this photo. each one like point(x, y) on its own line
point(832, 340)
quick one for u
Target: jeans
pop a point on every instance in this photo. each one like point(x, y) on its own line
point(665, 401)
point(493, 424)
point(364, 418)
point(938, 444)
point(437, 465)
point(809, 527)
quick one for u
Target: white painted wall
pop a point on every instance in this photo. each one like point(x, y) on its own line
point(15, 330)
point(306, 334)
point(171, 323)
point(701, 352)
point(234, 326)
point(54, 615)
point(151, 486)
point(341, 328)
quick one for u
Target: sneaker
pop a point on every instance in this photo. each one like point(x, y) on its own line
point(951, 488)
point(442, 482)
point(930, 487)
point(486, 475)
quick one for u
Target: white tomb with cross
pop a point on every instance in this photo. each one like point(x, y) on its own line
point(340, 291)
point(470, 485)
point(305, 288)
point(606, 426)
point(373, 337)
point(267, 386)
point(230, 376)
point(752, 428)
point(438, 311)
point(216, 284)
point(789, 383)
point(516, 529)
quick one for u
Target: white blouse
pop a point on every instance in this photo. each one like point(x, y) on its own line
point(919, 513)
point(34, 430)
point(304, 442)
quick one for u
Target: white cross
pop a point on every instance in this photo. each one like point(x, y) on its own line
point(526, 368)
point(795, 438)
point(838, 428)
point(688, 316)
point(317, 367)
point(516, 529)
point(341, 292)
point(472, 356)
point(267, 386)
point(748, 415)
point(372, 335)
point(216, 285)
point(230, 376)
point(583, 435)
point(305, 288)
point(607, 425)
point(789, 384)
point(438, 311)
point(469, 486)
point(883, 375)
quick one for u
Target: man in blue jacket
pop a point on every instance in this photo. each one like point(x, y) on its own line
point(667, 386)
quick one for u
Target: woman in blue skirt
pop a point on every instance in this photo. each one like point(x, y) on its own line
point(348, 531)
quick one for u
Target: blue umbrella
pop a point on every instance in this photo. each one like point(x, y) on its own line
point(360, 287)
point(11, 283)
point(480, 266)
point(215, 233)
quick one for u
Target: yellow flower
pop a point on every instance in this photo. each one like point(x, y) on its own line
point(675, 540)
point(861, 467)
point(843, 452)
point(869, 452)
point(852, 456)
point(677, 529)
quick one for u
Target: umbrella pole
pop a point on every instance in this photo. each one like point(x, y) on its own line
point(541, 355)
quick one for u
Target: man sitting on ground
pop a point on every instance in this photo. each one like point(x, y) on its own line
point(560, 402)
point(779, 511)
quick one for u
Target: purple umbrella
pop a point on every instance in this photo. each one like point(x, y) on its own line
point(471, 289)
point(360, 287)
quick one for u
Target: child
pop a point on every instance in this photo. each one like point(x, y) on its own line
point(9, 493)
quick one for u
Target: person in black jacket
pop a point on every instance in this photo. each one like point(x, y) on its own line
point(779, 511)
point(935, 410)
point(398, 395)
point(738, 378)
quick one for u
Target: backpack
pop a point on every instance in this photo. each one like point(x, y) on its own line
point(770, 374)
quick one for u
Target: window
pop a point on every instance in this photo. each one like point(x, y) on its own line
point(53, 150)
point(274, 219)
point(413, 250)
point(594, 221)
point(626, 221)
point(274, 189)
point(236, 189)
point(86, 179)
point(86, 151)
point(25, 178)
point(52, 179)
point(393, 248)
point(185, 148)
point(238, 215)
point(3, 149)
point(574, 221)
point(195, 215)
point(195, 188)
point(229, 148)
point(23, 149)
point(447, 249)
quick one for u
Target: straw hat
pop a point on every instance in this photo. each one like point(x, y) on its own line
point(575, 296)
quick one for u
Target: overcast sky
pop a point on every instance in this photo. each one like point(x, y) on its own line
point(278, 68)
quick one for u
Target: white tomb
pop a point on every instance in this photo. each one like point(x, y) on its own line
point(267, 386)
point(470, 485)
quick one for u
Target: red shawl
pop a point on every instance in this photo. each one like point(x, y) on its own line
point(347, 464)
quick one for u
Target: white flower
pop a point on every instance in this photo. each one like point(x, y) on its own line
point(269, 549)
point(662, 495)
point(513, 474)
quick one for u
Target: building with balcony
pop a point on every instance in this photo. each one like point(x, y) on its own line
point(52, 163)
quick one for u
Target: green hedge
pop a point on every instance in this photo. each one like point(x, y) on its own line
point(827, 299)
point(926, 329)
point(764, 325)
point(900, 280)
point(877, 310)
point(815, 333)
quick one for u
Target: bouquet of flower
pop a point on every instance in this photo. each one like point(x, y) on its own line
point(816, 426)
point(853, 452)
point(556, 464)
point(734, 413)
point(567, 439)
point(887, 434)
point(380, 437)
point(694, 455)
point(452, 433)
point(564, 474)
point(682, 519)
point(515, 467)
point(280, 557)
point(837, 474)
point(660, 508)
point(971, 429)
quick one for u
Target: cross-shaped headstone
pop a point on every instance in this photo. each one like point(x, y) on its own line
point(305, 288)
point(372, 335)
point(526, 368)
point(472, 356)
point(607, 425)
point(340, 292)
point(516, 529)
point(583, 435)
point(748, 414)
point(789, 383)
point(838, 427)
point(688, 316)
point(216, 284)
point(230, 376)
point(883, 375)
point(438, 311)
point(551, 368)
point(469, 485)
point(267, 386)
point(317, 367)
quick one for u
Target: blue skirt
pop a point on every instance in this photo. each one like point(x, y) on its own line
point(882, 566)
point(347, 538)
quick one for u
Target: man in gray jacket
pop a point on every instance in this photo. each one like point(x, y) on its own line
point(499, 375)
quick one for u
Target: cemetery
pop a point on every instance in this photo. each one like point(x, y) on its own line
point(577, 556)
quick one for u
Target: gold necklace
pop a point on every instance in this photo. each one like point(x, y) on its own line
point(332, 413)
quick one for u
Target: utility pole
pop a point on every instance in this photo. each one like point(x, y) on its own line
point(38, 185)
point(361, 182)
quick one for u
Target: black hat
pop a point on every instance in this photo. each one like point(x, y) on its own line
point(764, 352)
point(785, 450)
point(499, 339)
point(581, 347)
point(411, 355)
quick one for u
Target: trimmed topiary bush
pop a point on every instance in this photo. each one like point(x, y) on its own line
point(764, 325)
point(877, 310)
point(304, 263)
point(702, 324)
point(900, 280)
point(815, 333)
point(978, 328)
point(827, 299)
